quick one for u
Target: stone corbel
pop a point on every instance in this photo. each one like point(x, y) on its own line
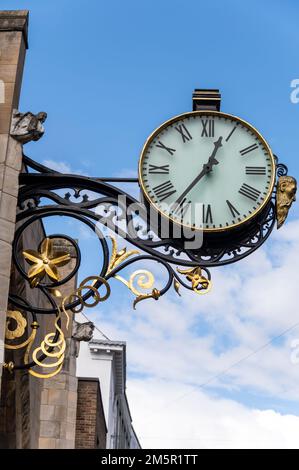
point(27, 127)
point(81, 332)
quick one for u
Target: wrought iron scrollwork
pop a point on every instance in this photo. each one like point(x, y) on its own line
point(46, 193)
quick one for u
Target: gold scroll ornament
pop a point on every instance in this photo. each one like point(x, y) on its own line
point(45, 262)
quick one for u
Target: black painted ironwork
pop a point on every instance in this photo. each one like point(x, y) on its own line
point(47, 193)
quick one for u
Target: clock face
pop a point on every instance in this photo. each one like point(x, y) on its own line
point(207, 170)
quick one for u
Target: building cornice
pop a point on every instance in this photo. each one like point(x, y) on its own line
point(15, 20)
point(116, 349)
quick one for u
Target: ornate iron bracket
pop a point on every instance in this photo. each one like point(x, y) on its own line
point(96, 202)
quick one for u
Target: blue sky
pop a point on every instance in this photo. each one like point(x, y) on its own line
point(107, 74)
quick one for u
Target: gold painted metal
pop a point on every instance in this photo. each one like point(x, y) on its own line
point(19, 331)
point(144, 278)
point(205, 113)
point(58, 354)
point(55, 350)
point(176, 286)
point(118, 257)
point(21, 324)
point(45, 262)
point(285, 196)
point(155, 294)
point(200, 284)
point(77, 294)
point(29, 340)
point(48, 343)
point(9, 366)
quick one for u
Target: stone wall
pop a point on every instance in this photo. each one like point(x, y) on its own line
point(58, 412)
point(13, 43)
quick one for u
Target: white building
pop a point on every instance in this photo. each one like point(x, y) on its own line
point(106, 360)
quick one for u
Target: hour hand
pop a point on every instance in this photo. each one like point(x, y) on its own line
point(212, 160)
point(207, 167)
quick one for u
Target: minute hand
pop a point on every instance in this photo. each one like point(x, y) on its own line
point(207, 168)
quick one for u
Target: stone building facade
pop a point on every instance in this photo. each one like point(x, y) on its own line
point(64, 411)
point(13, 45)
point(34, 413)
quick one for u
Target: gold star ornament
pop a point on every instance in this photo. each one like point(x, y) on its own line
point(45, 262)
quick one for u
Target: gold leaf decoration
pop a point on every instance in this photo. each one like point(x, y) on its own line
point(53, 350)
point(199, 283)
point(145, 279)
point(176, 286)
point(9, 366)
point(285, 196)
point(20, 321)
point(34, 325)
point(55, 292)
point(119, 257)
point(44, 262)
point(155, 294)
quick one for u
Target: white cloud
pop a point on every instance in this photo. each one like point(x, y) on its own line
point(187, 341)
point(62, 167)
point(200, 421)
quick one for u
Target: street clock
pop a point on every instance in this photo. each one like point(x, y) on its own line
point(208, 170)
point(212, 160)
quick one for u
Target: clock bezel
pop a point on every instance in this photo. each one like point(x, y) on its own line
point(207, 113)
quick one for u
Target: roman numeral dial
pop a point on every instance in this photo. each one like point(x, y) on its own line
point(208, 128)
point(164, 190)
point(158, 170)
point(249, 191)
point(184, 133)
point(207, 170)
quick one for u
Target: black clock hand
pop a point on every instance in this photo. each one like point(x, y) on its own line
point(207, 168)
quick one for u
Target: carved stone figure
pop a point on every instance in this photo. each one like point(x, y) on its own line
point(285, 196)
point(81, 332)
point(26, 127)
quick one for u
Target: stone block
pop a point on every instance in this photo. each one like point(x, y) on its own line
point(7, 230)
point(72, 383)
point(3, 147)
point(63, 430)
point(5, 118)
point(4, 287)
point(44, 397)
point(65, 444)
point(71, 415)
point(49, 429)
point(9, 90)
point(1, 351)
point(72, 399)
point(14, 154)
point(70, 431)
point(46, 443)
point(10, 43)
point(47, 412)
point(8, 207)
point(60, 412)
point(11, 181)
point(8, 73)
point(57, 382)
point(2, 170)
point(5, 257)
point(58, 397)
